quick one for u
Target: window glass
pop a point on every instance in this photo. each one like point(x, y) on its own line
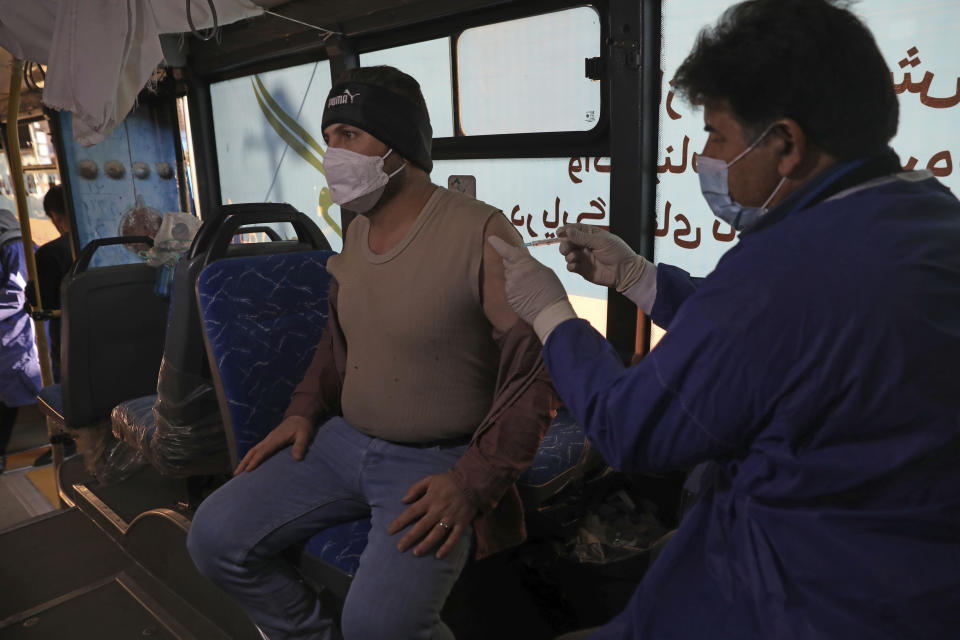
point(527, 75)
point(538, 195)
point(429, 63)
point(687, 233)
point(40, 173)
point(186, 150)
point(915, 39)
point(920, 41)
point(270, 143)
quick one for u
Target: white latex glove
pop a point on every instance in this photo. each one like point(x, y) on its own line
point(533, 290)
point(600, 257)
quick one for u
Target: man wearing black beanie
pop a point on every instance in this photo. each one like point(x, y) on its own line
point(426, 399)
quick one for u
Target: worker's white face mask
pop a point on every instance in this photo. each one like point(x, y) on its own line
point(356, 181)
point(715, 186)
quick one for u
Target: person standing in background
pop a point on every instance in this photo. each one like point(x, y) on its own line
point(19, 361)
point(53, 262)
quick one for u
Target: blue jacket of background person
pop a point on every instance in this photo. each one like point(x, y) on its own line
point(19, 362)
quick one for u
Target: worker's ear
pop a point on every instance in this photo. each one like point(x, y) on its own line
point(796, 157)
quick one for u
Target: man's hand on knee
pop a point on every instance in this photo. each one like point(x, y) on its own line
point(440, 514)
point(295, 430)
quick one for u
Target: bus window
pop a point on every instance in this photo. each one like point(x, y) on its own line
point(270, 143)
point(429, 63)
point(527, 75)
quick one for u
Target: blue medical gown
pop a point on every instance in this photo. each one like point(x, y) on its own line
point(19, 361)
point(819, 365)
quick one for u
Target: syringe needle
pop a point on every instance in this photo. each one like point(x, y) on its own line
point(541, 243)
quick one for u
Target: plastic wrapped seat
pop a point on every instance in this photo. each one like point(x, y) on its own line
point(178, 426)
point(137, 415)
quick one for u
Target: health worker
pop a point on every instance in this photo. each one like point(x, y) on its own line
point(815, 367)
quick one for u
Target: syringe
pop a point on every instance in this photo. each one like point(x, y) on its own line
point(541, 243)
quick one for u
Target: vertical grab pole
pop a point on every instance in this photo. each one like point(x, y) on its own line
point(23, 212)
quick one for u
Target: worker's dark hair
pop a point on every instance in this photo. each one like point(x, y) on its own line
point(812, 61)
point(54, 201)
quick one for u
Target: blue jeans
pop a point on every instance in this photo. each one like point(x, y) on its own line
point(239, 531)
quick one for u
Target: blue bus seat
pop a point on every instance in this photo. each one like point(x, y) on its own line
point(330, 559)
point(564, 456)
point(179, 428)
point(263, 317)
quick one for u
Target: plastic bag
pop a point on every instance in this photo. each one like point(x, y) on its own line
point(189, 437)
point(179, 430)
point(109, 460)
point(615, 530)
point(606, 522)
point(172, 240)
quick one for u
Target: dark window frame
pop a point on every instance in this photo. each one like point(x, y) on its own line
point(459, 147)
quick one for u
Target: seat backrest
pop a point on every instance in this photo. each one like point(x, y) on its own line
point(262, 318)
point(113, 328)
point(563, 458)
point(184, 341)
point(189, 434)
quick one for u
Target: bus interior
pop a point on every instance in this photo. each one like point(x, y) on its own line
point(553, 111)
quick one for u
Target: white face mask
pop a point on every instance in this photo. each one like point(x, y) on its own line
point(715, 186)
point(356, 181)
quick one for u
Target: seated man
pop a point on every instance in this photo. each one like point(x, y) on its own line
point(410, 413)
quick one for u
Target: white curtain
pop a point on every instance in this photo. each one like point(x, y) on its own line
point(101, 53)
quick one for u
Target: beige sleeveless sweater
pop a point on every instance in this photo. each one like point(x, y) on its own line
point(421, 361)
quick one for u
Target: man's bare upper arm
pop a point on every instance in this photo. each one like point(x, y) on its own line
point(492, 282)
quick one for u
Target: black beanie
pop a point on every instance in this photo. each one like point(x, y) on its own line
point(390, 117)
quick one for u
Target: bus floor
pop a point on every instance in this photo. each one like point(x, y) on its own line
point(63, 578)
point(26, 491)
point(115, 566)
point(112, 566)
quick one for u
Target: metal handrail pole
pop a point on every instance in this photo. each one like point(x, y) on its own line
point(23, 213)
